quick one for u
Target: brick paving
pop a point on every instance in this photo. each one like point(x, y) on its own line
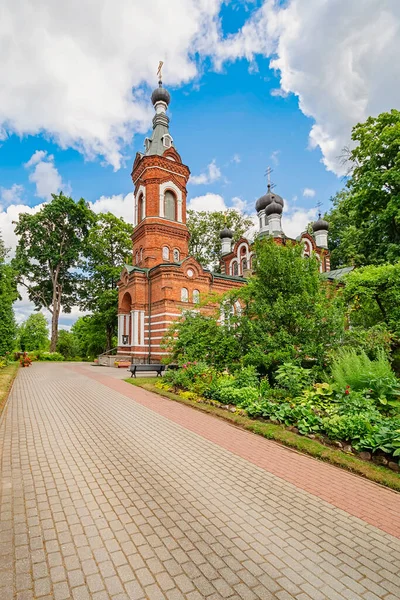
point(104, 497)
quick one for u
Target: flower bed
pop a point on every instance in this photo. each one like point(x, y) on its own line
point(361, 421)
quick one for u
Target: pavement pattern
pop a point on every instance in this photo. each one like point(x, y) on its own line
point(111, 492)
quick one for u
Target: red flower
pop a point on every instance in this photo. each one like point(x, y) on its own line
point(347, 392)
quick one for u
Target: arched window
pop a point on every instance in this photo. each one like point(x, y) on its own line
point(196, 296)
point(137, 258)
point(141, 211)
point(184, 295)
point(165, 253)
point(176, 255)
point(141, 254)
point(235, 270)
point(169, 206)
point(244, 265)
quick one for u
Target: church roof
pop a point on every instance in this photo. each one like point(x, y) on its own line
point(337, 274)
point(155, 145)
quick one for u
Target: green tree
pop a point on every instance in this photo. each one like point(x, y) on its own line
point(67, 344)
point(343, 236)
point(34, 333)
point(106, 248)
point(90, 335)
point(8, 294)
point(205, 227)
point(287, 312)
point(368, 212)
point(48, 255)
point(373, 295)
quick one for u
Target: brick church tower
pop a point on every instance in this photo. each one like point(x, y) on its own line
point(162, 279)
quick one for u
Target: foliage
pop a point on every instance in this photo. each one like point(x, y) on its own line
point(293, 378)
point(67, 344)
point(289, 313)
point(41, 355)
point(90, 336)
point(373, 295)
point(356, 371)
point(106, 248)
point(199, 337)
point(48, 254)
point(8, 294)
point(366, 217)
point(33, 334)
point(204, 228)
point(371, 340)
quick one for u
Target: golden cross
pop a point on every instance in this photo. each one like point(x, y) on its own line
point(159, 74)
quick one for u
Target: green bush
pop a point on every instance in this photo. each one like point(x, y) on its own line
point(293, 378)
point(347, 427)
point(244, 396)
point(46, 356)
point(354, 370)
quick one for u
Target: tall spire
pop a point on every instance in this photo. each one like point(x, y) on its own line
point(161, 138)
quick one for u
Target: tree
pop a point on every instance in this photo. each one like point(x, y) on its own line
point(48, 254)
point(371, 202)
point(67, 344)
point(90, 335)
point(287, 313)
point(106, 248)
point(373, 295)
point(34, 333)
point(8, 294)
point(343, 234)
point(205, 227)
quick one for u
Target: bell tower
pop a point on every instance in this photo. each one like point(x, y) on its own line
point(159, 177)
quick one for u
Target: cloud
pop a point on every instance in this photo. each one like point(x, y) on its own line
point(6, 222)
point(119, 205)
point(81, 71)
point(45, 175)
point(339, 58)
point(295, 220)
point(210, 202)
point(10, 195)
point(275, 157)
point(236, 159)
point(212, 173)
point(309, 193)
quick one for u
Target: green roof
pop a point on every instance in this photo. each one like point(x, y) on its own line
point(337, 274)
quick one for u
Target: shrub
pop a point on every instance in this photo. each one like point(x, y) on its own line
point(246, 377)
point(46, 356)
point(293, 378)
point(347, 427)
point(242, 397)
point(357, 371)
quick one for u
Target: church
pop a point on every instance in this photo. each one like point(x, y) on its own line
point(163, 278)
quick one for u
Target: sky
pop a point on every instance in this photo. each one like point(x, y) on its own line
point(253, 83)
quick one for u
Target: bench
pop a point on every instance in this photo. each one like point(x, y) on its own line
point(145, 369)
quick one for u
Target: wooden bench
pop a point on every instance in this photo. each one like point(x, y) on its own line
point(146, 369)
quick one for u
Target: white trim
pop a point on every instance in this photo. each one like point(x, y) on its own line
point(155, 330)
point(132, 325)
point(159, 323)
point(170, 185)
point(135, 328)
point(160, 169)
point(141, 319)
point(168, 314)
point(141, 190)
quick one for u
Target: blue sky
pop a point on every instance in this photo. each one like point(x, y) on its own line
point(254, 83)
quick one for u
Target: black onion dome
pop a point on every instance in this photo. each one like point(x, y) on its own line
point(225, 233)
point(267, 199)
point(274, 207)
point(320, 225)
point(160, 94)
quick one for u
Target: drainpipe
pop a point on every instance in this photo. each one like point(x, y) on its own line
point(149, 319)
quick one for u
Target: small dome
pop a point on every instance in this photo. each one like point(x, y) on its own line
point(320, 225)
point(267, 199)
point(160, 94)
point(225, 233)
point(274, 207)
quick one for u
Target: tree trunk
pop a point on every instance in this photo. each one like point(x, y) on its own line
point(54, 320)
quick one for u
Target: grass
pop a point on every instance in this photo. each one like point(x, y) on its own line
point(7, 376)
point(280, 434)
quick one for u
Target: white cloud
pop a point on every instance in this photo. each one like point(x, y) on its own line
point(210, 202)
point(295, 221)
point(275, 157)
point(236, 159)
point(45, 175)
point(339, 58)
point(80, 70)
point(119, 205)
point(212, 173)
point(10, 195)
point(309, 193)
point(7, 217)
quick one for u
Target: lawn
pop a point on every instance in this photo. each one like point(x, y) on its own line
point(7, 376)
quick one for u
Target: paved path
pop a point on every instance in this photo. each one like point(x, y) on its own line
point(110, 492)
